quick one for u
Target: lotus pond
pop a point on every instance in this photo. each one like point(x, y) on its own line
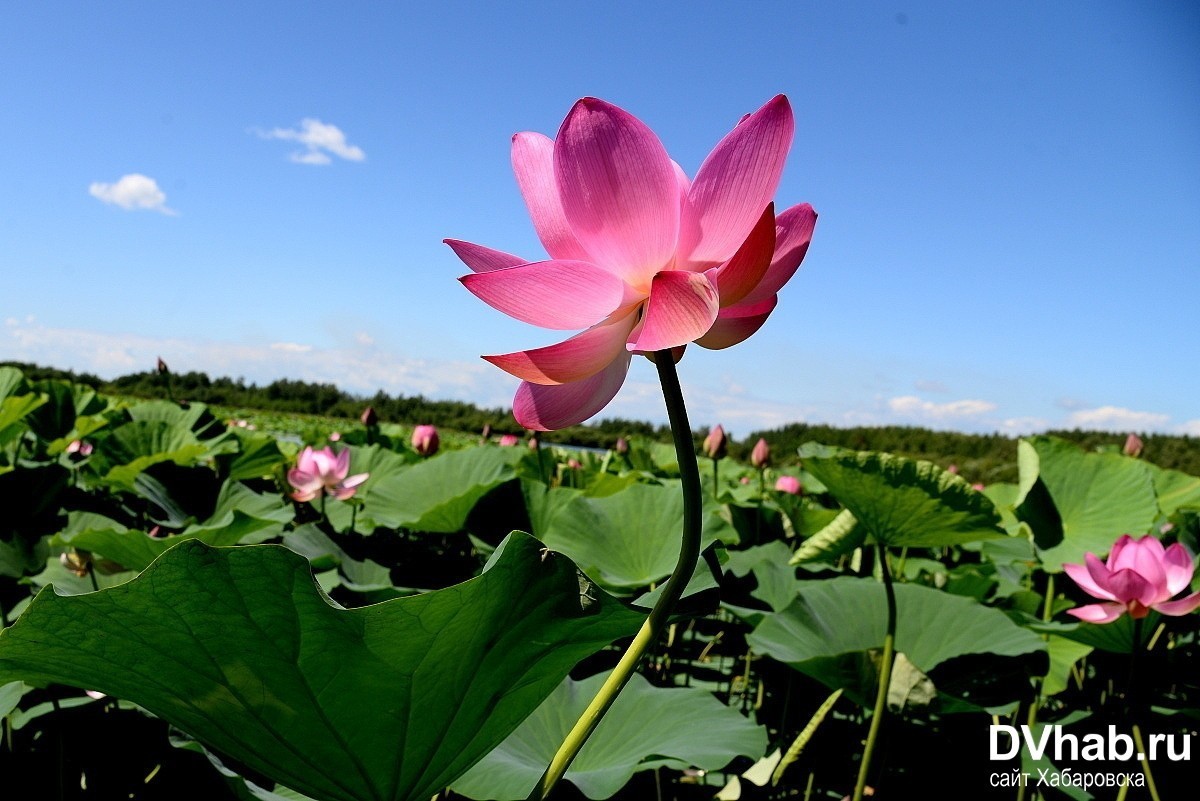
point(437, 632)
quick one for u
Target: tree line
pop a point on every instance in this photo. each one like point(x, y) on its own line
point(987, 458)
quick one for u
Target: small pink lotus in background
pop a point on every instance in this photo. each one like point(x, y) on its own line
point(760, 457)
point(641, 257)
point(1133, 446)
point(509, 440)
point(574, 464)
point(1139, 575)
point(323, 470)
point(788, 484)
point(425, 440)
point(622, 446)
point(79, 448)
point(745, 479)
point(335, 436)
point(716, 444)
point(977, 487)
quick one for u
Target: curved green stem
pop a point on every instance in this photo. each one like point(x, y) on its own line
point(1141, 749)
point(689, 555)
point(885, 676)
point(1038, 682)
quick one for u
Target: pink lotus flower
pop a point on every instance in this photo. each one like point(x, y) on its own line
point(1133, 446)
point(323, 470)
point(1140, 575)
point(788, 484)
point(425, 440)
point(509, 440)
point(641, 257)
point(78, 447)
point(716, 444)
point(760, 457)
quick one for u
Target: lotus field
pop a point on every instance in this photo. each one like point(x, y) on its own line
point(205, 607)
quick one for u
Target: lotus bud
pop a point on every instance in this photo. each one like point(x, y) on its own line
point(716, 444)
point(622, 446)
point(509, 440)
point(1133, 446)
point(425, 440)
point(952, 470)
point(336, 436)
point(487, 431)
point(760, 457)
point(369, 418)
point(161, 367)
point(788, 484)
point(78, 562)
point(534, 443)
point(574, 464)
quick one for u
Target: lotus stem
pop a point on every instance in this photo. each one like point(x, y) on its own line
point(1036, 704)
point(885, 676)
point(656, 622)
point(1141, 749)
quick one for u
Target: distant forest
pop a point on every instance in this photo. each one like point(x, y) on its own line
point(988, 458)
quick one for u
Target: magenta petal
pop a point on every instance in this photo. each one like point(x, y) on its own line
point(619, 191)
point(548, 408)
point(1178, 567)
point(533, 164)
point(1100, 577)
point(735, 183)
point(342, 465)
point(1128, 585)
point(737, 278)
point(579, 357)
point(1123, 542)
point(1098, 613)
point(304, 482)
point(482, 259)
point(737, 323)
point(355, 480)
point(1083, 577)
point(682, 307)
point(553, 294)
point(793, 233)
point(1180, 607)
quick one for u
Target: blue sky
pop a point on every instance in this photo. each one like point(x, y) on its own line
point(1009, 195)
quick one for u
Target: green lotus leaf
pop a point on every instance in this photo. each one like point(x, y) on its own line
point(903, 502)
point(1096, 498)
point(391, 702)
point(834, 622)
point(646, 728)
point(630, 539)
point(437, 494)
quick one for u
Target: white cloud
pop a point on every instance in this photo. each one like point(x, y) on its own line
point(1115, 418)
point(1191, 428)
point(319, 139)
point(912, 406)
point(290, 347)
point(1024, 425)
point(130, 192)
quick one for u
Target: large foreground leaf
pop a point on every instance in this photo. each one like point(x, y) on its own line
point(833, 621)
point(647, 727)
point(903, 502)
point(390, 702)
